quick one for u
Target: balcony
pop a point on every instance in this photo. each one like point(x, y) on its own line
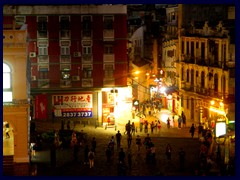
point(87, 82)
point(86, 58)
point(65, 83)
point(43, 83)
point(108, 35)
point(108, 82)
point(108, 58)
point(86, 34)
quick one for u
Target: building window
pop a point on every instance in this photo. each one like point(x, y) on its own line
point(86, 26)
point(108, 49)
point(65, 71)
point(42, 48)
point(7, 83)
point(187, 103)
point(87, 50)
point(87, 71)
point(42, 26)
point(182, 73)
point(108, 70)
point(65, 47)
point(43, 70)
point(64, 27)
point(172, 16)
point(108, 22)
point(187, 75)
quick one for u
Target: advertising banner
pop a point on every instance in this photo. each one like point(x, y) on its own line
point(41, 106)
point(72, 105)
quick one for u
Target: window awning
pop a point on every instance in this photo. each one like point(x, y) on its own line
point(171, 89)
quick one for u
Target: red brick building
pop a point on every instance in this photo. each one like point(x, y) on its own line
point(77, 56)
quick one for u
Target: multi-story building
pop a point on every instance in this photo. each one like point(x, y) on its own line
point(78, 60)
point(16, 103)
point(206, 63)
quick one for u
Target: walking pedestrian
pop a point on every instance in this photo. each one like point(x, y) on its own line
point(192, 130)
point(129, 140)
point(108, 154)
point(152, 127)
point(121, 167)
point(94, 144)
point(141, 121)
point(146, 126)
point(168, 152)
point(118, 137)
point(86, 151)
point(179, 122)
point(168, 122)
point(181, 155)
point(183, 119)
point(147, 140)
point(133, 128)
point(75, 151)
point(129, 160)
point(159, 125)
point(121, 155)
point(68, 125)
point(91, 158)
point(173, 121)
point(138, 142)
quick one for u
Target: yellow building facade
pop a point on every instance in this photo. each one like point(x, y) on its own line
point(16, 107)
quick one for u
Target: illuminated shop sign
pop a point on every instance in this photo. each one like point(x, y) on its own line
point(72, 105)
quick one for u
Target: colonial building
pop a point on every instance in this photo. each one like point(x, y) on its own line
point(206, 63)
point(16, 103)
point(78, 59)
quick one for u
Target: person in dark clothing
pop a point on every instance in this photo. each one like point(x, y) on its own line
point(75, 152)
point(118, 137)
point(129, 160)
point(86, 151)
point(121, 166)
point(121, 155)
point(129, 140)
point(68, 125)
point(168, 152)
point(108, 154)
point(192, 130)
point(181, 155)
point(94, 144)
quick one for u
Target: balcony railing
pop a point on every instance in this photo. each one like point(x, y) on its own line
point(87, 82)
point(108, 35)
point(108, 58)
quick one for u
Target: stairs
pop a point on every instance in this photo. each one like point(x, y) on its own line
point(8, 166)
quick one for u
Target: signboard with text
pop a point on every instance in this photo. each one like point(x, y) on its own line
point(72, 105)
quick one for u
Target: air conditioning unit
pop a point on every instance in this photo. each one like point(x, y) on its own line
point(32, 54)
point(75, 78)
point(33, 78)
point(76, 54)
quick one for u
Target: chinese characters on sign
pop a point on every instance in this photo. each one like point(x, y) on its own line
point(72, 105)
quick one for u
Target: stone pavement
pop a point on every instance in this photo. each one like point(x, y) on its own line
point(66, 166)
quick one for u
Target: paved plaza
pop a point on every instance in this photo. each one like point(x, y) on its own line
point(66, 166)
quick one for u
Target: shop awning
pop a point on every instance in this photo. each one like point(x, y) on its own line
point(171, 89)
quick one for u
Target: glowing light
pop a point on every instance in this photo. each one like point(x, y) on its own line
point(221, 104)
point(220, 129)
point(212, 102)
point(137, 72)
point(162, 89)
point(217, 111)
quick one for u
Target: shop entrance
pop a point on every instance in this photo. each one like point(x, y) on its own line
point(108, 117)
